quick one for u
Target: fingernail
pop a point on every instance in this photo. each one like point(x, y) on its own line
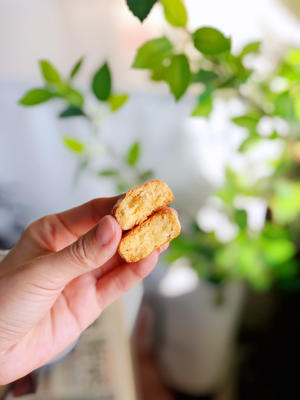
point(105, 230)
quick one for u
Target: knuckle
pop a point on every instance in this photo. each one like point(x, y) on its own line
point(44, 231)
point(80, 254)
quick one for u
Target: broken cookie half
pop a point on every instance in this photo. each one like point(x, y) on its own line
point(146, 220)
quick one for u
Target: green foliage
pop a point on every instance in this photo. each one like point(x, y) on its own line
point(133, 154)
point(71, 111)
point(175, 12)
point(141, 8)
point(253, 47)
point(204, 76)
point(76, 68)
point(35, 96)
point(73, 144)
point(210, 41)
point(116, 101)
point(204, 104)
point(49, 72)
point(101, 84)
point(178, 75)
point(152, 54)
point(109, 173)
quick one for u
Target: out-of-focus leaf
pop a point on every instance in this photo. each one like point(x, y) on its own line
point(175, 12)
point(178, 75)
point(71, 111)
point(146, 175)
point(278, 251)
point(253, 47)
point(50, 74)
point(73, 144)
point(109, 173)
point(285, 203)
point(101, 84)
point(76, 68)
point(116, 101)
point(205, 103)
point(35, 96)
point(74, 97)
point(204, 76)
point(240, 217)
point(152, 54)
point(140, 8)
point(211, 41)
point(284, 106)
point(133, 154)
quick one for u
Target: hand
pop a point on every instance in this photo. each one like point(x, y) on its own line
point(57, 280)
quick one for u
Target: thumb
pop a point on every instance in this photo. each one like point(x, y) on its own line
point(90, 251)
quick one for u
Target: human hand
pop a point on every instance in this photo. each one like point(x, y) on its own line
point(57, 280)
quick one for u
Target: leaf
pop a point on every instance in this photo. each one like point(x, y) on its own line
point(146, 175)
point(117, 100)
point(35, 96)
point(278, 251)
point(204, 76)
point(71, 111)
point(253, 47)
point(152, 54)
point(76, 68)
point(175, 12)
point(74, 97)
point(109, 172)
point(140, 8)
point(246, 121)
point(284, 106)
point(178, 75)
point(240, 217)
point(133, 154)
point(211, 41)
point(205, 104)
point(73, 144)
point(101, 84)
point(49, 72)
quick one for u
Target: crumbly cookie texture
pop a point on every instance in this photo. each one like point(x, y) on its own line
point(142, 240)
point(139, 203)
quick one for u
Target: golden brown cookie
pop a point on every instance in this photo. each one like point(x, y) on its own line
point(143, 239)
point(140, 202)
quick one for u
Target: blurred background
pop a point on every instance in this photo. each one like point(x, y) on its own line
point(218, 318)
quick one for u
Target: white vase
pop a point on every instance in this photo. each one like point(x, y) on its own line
point(198, 337)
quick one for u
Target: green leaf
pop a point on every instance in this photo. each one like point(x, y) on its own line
point(278, 251)
point(253, 47)
point(178, 75)
point(211, 41)
point(204, 76)
point(140, 8)
point(175, 12)
point(117, 100)
point(152, 54)
point(76, 68)
point(101, 84)
point(73, 144)
point(146, 175)
point(71, 111)
point(205, 104)
point(246, 121)
point(49, 72)
point(35, 96)
point(133, 154)
point(240, 217)
point(109, 172)
point(284, 106)
point(74, 97)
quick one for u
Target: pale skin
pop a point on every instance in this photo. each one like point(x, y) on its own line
point(56, 281)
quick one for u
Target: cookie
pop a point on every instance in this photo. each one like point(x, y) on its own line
point(161, 227)
point(139, 203)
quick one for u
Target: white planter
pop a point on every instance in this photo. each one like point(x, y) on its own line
point(198, 336)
